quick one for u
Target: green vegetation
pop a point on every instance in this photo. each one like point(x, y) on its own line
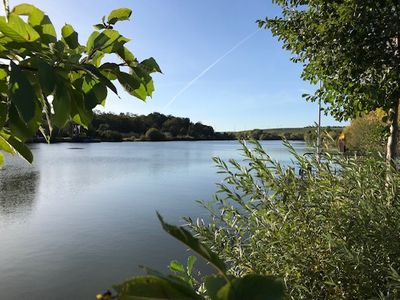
point(331, 233)
point(351, 48)
point(367, 133)
point(299, 134)
point(131, 127)
point(184, 284)
point(46, 81)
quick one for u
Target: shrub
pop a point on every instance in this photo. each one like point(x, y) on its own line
point(367, 133)
point(153, 134)
point(331, 233)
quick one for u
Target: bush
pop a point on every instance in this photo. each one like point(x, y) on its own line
point(367, 133)
point(153, 134)
point(332, 233)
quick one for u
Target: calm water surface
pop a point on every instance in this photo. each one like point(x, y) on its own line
point(82, 217)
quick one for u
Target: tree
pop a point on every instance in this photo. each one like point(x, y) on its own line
point(153, 134)
point(49, 80)
point(366, 133)
point(352, 47)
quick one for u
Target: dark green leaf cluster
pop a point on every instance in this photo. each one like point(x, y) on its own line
point(43, 77)
point(329, 229)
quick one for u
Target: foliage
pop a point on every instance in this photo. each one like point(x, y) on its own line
point(331, 233)
point(50, 80)
point(153, 134)
point(297, 134)
point(138, 125)
point(329, 137)
point(366, 133)
point(183, 285)
point(351, 47)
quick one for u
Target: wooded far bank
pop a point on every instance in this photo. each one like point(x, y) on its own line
point(160, 127)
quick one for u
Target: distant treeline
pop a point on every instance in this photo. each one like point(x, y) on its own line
point(308, 134)
point(160, 127)
point(131, 127)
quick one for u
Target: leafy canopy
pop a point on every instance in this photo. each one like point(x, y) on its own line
point(57, 79)
point(352, 47)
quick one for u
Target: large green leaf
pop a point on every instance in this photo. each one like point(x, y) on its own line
point(21, 93)
point(95, 71)
point(155, 287)
point(47, 77)
point(150, 65)
point(194, 244)
point(5, 145)
point(61, 104)
point(70, 36)
point(252, 287)
point(127, 56)
point(129, 82)
point(95, 92)
point(213, 284)
point(3, 114)
point(80, 114)
point(19, 127)
point(109, 41)
point(120, 14)
point(39, 21)
point(21, 148)
point(90, 41)
point(17, 29)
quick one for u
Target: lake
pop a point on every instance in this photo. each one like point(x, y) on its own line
point(82, 217)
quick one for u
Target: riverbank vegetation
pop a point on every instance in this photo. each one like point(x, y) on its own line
point(332, 233)
point(157, 127)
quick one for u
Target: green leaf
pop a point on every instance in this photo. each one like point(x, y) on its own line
point(95, 71)
point(190, 263)
point(70, 36)
point(80, 114)
point(252, 287)
point(127, 56)
point(129, 82)
point(17, 29)
point(61, 104)
point(120, 14)
point(18, 127)
point(176, 266)
point(5, 145)
point(39, 21)
point(194, 244)
point(3, 74)
point(109, 70)
point(90, 41)
point(21, 148)
point(22, 93)
point(150, 65)
point(213, 284)
point(3, 114)
point(99, 26)
point(154, 287)
point(1, 159)
point(95, 92)
point(109, 41)
point(47, 77)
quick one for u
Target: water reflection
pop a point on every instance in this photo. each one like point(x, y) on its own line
point(18, 193)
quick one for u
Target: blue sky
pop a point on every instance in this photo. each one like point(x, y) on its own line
point(254, 86)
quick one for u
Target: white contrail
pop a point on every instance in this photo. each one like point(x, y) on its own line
point(209, 68)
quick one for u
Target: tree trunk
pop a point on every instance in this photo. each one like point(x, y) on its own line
point(391, 149)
